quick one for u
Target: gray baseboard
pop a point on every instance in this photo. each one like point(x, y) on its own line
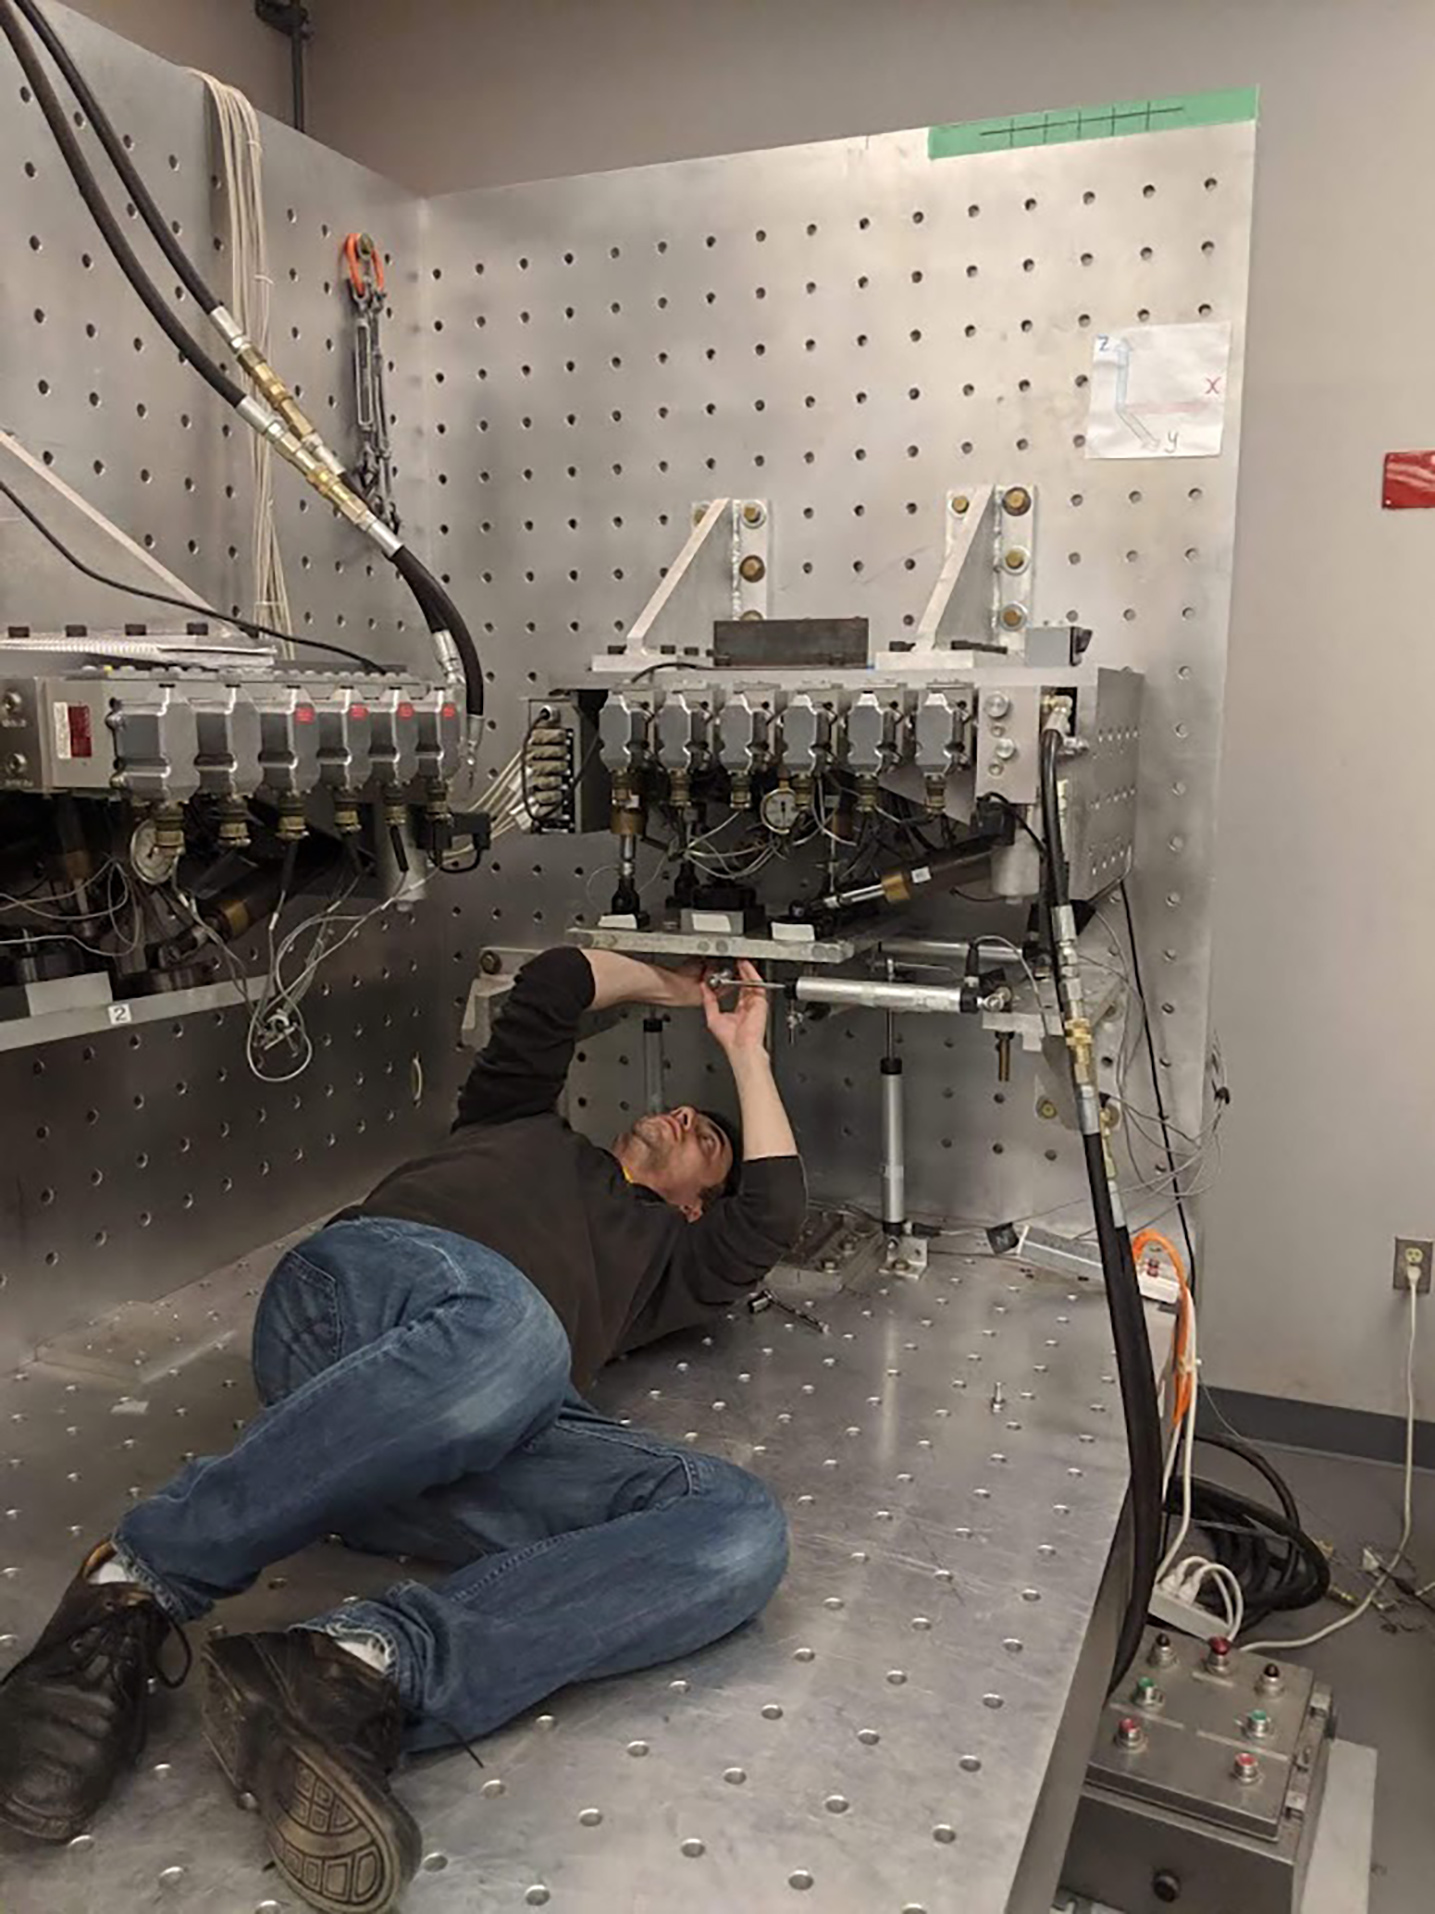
point(1319, 1425)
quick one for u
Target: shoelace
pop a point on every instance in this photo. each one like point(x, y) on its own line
point(172, 1627)
point(459, 1740)
point(84, 1640)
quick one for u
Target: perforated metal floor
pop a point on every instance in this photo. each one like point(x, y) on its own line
point(951, 1457)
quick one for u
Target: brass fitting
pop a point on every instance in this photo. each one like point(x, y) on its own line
point(168, 821)
point(866, 796)
point(1078, 1041)
point(233, 823)
point(628, 814)
point(436, 807)
point(292, 824)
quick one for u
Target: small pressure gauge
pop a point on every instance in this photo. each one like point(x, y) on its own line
point(780, 811)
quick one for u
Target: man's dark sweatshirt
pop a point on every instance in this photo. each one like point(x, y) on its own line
point(619, 1266)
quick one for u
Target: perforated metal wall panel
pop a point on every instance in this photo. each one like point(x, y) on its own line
point(135, 1161)
point(847, 331)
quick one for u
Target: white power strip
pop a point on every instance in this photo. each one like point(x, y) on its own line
point(1174, 1611)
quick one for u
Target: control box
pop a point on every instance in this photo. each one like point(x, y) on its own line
point(1204, 1785)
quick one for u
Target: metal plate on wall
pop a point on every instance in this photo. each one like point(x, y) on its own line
point(847, 331)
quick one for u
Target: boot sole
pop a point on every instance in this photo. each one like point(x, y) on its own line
point(340, 1845)
point(41, 1827)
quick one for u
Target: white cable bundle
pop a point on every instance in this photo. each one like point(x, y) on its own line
point(241, 155)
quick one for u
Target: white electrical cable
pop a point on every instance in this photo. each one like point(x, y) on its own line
point(1384, 1569)
point(241, 168)
point(277, 1016)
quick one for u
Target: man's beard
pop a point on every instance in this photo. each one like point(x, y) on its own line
point(652, 1138)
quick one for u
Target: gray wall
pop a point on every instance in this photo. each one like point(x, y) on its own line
point(1327, 910)
point(224, 37)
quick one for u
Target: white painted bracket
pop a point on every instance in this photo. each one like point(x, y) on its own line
point(721, 572)
point(981, 601)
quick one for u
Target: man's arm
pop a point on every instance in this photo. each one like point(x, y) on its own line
point(731, 1248)
point(525, 1062)
point(742, 1034)
point(627, 980)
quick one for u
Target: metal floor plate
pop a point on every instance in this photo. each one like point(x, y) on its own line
point(875, 1744)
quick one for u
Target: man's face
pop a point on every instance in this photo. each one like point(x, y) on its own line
point(679, 1154)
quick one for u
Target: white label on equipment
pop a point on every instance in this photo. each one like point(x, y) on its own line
point(121, 1013)
point(60, 716)
point(921, 875)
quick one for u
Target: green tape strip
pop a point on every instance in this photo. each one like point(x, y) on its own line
point(1070, 123)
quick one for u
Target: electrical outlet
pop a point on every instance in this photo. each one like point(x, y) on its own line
point(1413, 1252)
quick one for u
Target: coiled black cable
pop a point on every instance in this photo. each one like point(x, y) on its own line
point(1123, 1294)
point(1279, 1566)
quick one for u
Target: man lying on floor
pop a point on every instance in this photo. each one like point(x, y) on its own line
point(420, 1360)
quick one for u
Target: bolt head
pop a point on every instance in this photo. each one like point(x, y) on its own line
point(1016, 500)
point(752, 568)
point(961, 504)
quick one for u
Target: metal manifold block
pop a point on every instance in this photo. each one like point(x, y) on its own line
point(164, 737)
point(947, 739)
point(1205, 1784)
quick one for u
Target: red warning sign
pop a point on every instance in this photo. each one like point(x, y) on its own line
point(1409, 481)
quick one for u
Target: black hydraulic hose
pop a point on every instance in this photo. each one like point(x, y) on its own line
point(1164, 1121)
point(185, 268)
point(439, 611)
point(83, 175)
point(442, 614)
point(1123, 1294)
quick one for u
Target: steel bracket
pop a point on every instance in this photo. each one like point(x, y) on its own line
point(722, 571)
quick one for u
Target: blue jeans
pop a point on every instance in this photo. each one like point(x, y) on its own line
point(418, 1403)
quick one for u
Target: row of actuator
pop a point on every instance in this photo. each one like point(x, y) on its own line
point(755, 732)
point(231, 737)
